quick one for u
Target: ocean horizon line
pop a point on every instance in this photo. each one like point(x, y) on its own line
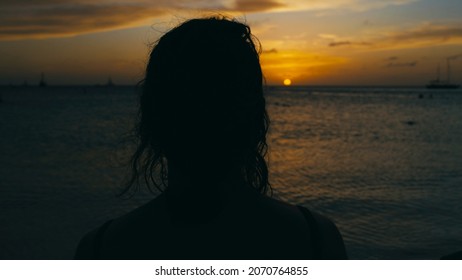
point(268, 85)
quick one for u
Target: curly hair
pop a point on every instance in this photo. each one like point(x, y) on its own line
point(202, 95)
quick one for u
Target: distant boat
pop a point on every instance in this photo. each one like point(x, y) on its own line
point(42, 82)
point(109, 83)
point(437, 84)
point(441, 84)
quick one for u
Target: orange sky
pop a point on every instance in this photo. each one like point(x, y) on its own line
point(337, 42)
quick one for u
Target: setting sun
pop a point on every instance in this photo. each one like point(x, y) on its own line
point(287, 82)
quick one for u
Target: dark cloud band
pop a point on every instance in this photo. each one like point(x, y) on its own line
point(23, 19)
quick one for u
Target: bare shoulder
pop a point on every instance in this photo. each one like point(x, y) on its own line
point(282, 207)
point(333, 247)
point(91, 243)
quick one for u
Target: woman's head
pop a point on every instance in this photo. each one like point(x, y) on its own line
point(202, 103)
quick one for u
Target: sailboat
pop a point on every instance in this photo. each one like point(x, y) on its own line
point(109, 83)
point(42, 82)
point(441, 84)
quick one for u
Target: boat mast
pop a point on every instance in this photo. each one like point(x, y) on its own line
point(449, 71)
point(42, 82)
point(438, 73)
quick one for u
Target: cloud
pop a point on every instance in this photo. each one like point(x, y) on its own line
point(28, 3)
point(393, 62)
point(340, 43)
point(273, 50)
point(367, 22)
point(23, 19)
point(402, 64)
point(256, 5)
point(328, 36)
point(428, 32)
point(454, 57)
point(422, 35)
point(348, 43)
point(343, 5)
point(71, 19)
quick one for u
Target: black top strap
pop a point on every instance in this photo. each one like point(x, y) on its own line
point(316, 237)
point(98, 241)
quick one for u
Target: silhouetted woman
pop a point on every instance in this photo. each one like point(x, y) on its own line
point(202, 141)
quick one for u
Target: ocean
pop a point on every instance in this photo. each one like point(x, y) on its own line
point(384, 163)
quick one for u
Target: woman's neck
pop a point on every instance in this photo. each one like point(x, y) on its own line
point(205, 190)
point(198, 176)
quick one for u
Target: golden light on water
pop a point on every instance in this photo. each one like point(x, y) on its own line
point(287, 82)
